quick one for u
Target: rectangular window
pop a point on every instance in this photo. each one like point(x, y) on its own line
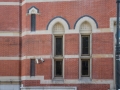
point(85, 44)
point(32, 67)
point(58, 45)
point(33, 22)
point(58, 68)
point(85, 66)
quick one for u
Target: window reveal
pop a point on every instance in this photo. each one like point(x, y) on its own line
point(85, 67)
point(58, 48)
point(58, 68)
point(85, 45)
point(32, 67)
point(33, 22)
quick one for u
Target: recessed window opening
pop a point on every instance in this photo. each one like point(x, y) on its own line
point(32, 67)
point(85, 67)
point(33, 22)
point(58, 68)
point(58, 34)
point(85, 44)
point(58, 45)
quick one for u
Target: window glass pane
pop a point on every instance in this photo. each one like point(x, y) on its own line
point(85, 67)
point(58, 45)
point(33, 22)
point(85, 44)
point(32, 67)
point(58, 68)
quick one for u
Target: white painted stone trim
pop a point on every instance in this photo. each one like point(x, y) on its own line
point(33, 10)
point(88, 19)
point(51, 56)
point(32, 78)
point(102, 30)
point(71, 56)
point(112, 21)
point(58, 20)
point(48, 0)
point(66, 81)
point(9, 33)
point(49, 88)
point(70, 31)
point(31, 1)
point(102, 55)
point(46, 32)
point(113, 29)
point(9, 58)
point(9, 3)
point(9, 78)
point(53, 50)
point(34, 57)
point(34, 1)
point(70, 81)
point(23, 3)
point(37, 32)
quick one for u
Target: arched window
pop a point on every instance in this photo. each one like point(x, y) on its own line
point(57, 27)
point(58, 31)
point(85, 32)
point(33, 11)
point(86, 26)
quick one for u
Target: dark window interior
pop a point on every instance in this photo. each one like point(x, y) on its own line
point(59, 46)
point(85, 45)
point(32, 67)
point(58, 68)
point(85, 67)
point(33, 22)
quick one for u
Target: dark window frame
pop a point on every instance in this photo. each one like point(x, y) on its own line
point(55, 49)
point(32, 67)
point(88, 75)
point(82, 54)
point(33, 22)
point(55, 68)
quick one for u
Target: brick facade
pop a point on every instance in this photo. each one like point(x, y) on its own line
point(18, 45)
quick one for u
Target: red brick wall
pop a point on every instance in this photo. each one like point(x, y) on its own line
point(71, 68)
point(71, 44)
point(23, 18)
point(25, 67)
point(71, 11)
point(102, 43)
point(79, 86)
point(9, 46)
point(9, 18)
point(102, 68)
point(41, 69)
point(44, 69)
point(37, 45)
point(9, 68)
